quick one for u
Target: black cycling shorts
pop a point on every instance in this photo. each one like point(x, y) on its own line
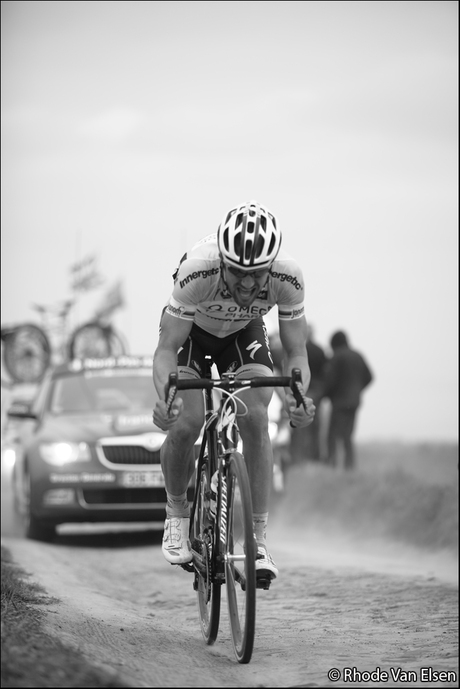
point(248, 348)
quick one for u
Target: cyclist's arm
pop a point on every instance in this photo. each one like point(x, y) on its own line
point(293, 335)
point(173, 334)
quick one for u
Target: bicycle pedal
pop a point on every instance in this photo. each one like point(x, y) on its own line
point(263, 583)
point(188, 566)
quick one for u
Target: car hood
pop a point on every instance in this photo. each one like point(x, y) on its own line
point(91, 427)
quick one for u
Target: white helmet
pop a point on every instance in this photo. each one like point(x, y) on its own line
point(249, 237)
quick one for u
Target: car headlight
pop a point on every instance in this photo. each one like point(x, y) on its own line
point(59, 454)
point(8, 457)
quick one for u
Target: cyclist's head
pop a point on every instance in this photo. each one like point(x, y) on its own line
point(249, 237)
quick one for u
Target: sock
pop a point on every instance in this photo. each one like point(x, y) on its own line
point(177, 505)
point(260, 527)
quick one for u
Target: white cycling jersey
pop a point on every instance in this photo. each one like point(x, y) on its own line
point(200, 293)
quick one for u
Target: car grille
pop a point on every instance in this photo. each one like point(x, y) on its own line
point(120, 496)
point(130, 454)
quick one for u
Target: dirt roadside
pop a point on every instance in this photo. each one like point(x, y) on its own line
point(368, 583)
point(128, 611)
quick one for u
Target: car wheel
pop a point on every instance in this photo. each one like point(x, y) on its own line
point(39, 530)
point(35, 528)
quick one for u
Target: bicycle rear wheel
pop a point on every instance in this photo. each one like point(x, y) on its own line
point(202, 537)
point(90, 340)
point(240, 559)
point(118, 346)
point(27, 353)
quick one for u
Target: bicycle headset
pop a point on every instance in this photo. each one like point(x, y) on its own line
point(249, 237)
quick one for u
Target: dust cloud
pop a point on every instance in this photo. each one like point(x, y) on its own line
point(396, 513)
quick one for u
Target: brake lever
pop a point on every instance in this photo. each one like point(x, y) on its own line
point(296, 387)
point(170, 391)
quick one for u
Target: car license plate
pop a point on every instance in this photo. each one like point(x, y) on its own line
point(145, 479)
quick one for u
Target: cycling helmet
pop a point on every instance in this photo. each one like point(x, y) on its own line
point(249, 236)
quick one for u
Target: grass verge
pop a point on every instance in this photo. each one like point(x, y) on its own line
point(29, 656)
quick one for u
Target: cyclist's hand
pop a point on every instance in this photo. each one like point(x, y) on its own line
point(162, 418)
point(298, 416)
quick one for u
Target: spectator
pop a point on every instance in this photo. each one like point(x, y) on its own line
point(347, 375)
point(305, 442)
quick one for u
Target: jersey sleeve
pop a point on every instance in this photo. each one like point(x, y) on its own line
point(290, 313)
point(288, 279)
point(193, 282)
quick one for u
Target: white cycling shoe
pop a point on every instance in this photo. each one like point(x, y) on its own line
point(176, 543)
point(265, 565)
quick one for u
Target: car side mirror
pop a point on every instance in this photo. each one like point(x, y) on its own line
point(20, 410)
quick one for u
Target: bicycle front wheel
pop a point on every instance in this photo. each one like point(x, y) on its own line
point(208, 589)
point(240, 559)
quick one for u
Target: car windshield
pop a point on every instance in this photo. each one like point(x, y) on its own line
point(103, 391)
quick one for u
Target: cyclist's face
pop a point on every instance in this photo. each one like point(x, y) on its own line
point(245, 286)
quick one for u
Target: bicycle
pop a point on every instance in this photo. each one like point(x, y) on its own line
point(29, 350)
point(221, 521)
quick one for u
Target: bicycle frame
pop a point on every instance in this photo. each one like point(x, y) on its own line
point(219, 444)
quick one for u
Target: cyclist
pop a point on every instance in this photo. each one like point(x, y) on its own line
point(222, 289)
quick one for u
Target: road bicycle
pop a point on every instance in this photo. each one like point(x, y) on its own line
point(221, 520)
point(30, 349)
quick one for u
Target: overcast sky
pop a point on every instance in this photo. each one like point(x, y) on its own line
point(130, 128)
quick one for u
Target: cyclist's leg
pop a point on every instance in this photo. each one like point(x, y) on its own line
point(257, 446)
point(178, 462)
point(177, 452)
point(249, 355)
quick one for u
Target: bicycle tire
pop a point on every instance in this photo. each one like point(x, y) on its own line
point(203, 543)
point(91, 340)
point(117, 343)
point(27, 353)
point(240, 559)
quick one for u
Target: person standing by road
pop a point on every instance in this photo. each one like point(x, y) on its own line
point(347, 374)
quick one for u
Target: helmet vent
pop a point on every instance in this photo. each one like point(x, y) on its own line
point(250, 228)
point(238, 244)
point(259, 246)
point(247, 251)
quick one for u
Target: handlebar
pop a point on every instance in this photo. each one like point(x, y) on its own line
point(294, 382)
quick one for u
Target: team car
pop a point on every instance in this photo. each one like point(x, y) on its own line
point(87, 449)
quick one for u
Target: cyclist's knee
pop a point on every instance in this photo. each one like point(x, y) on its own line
point(187, 428)
point(255, 421)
